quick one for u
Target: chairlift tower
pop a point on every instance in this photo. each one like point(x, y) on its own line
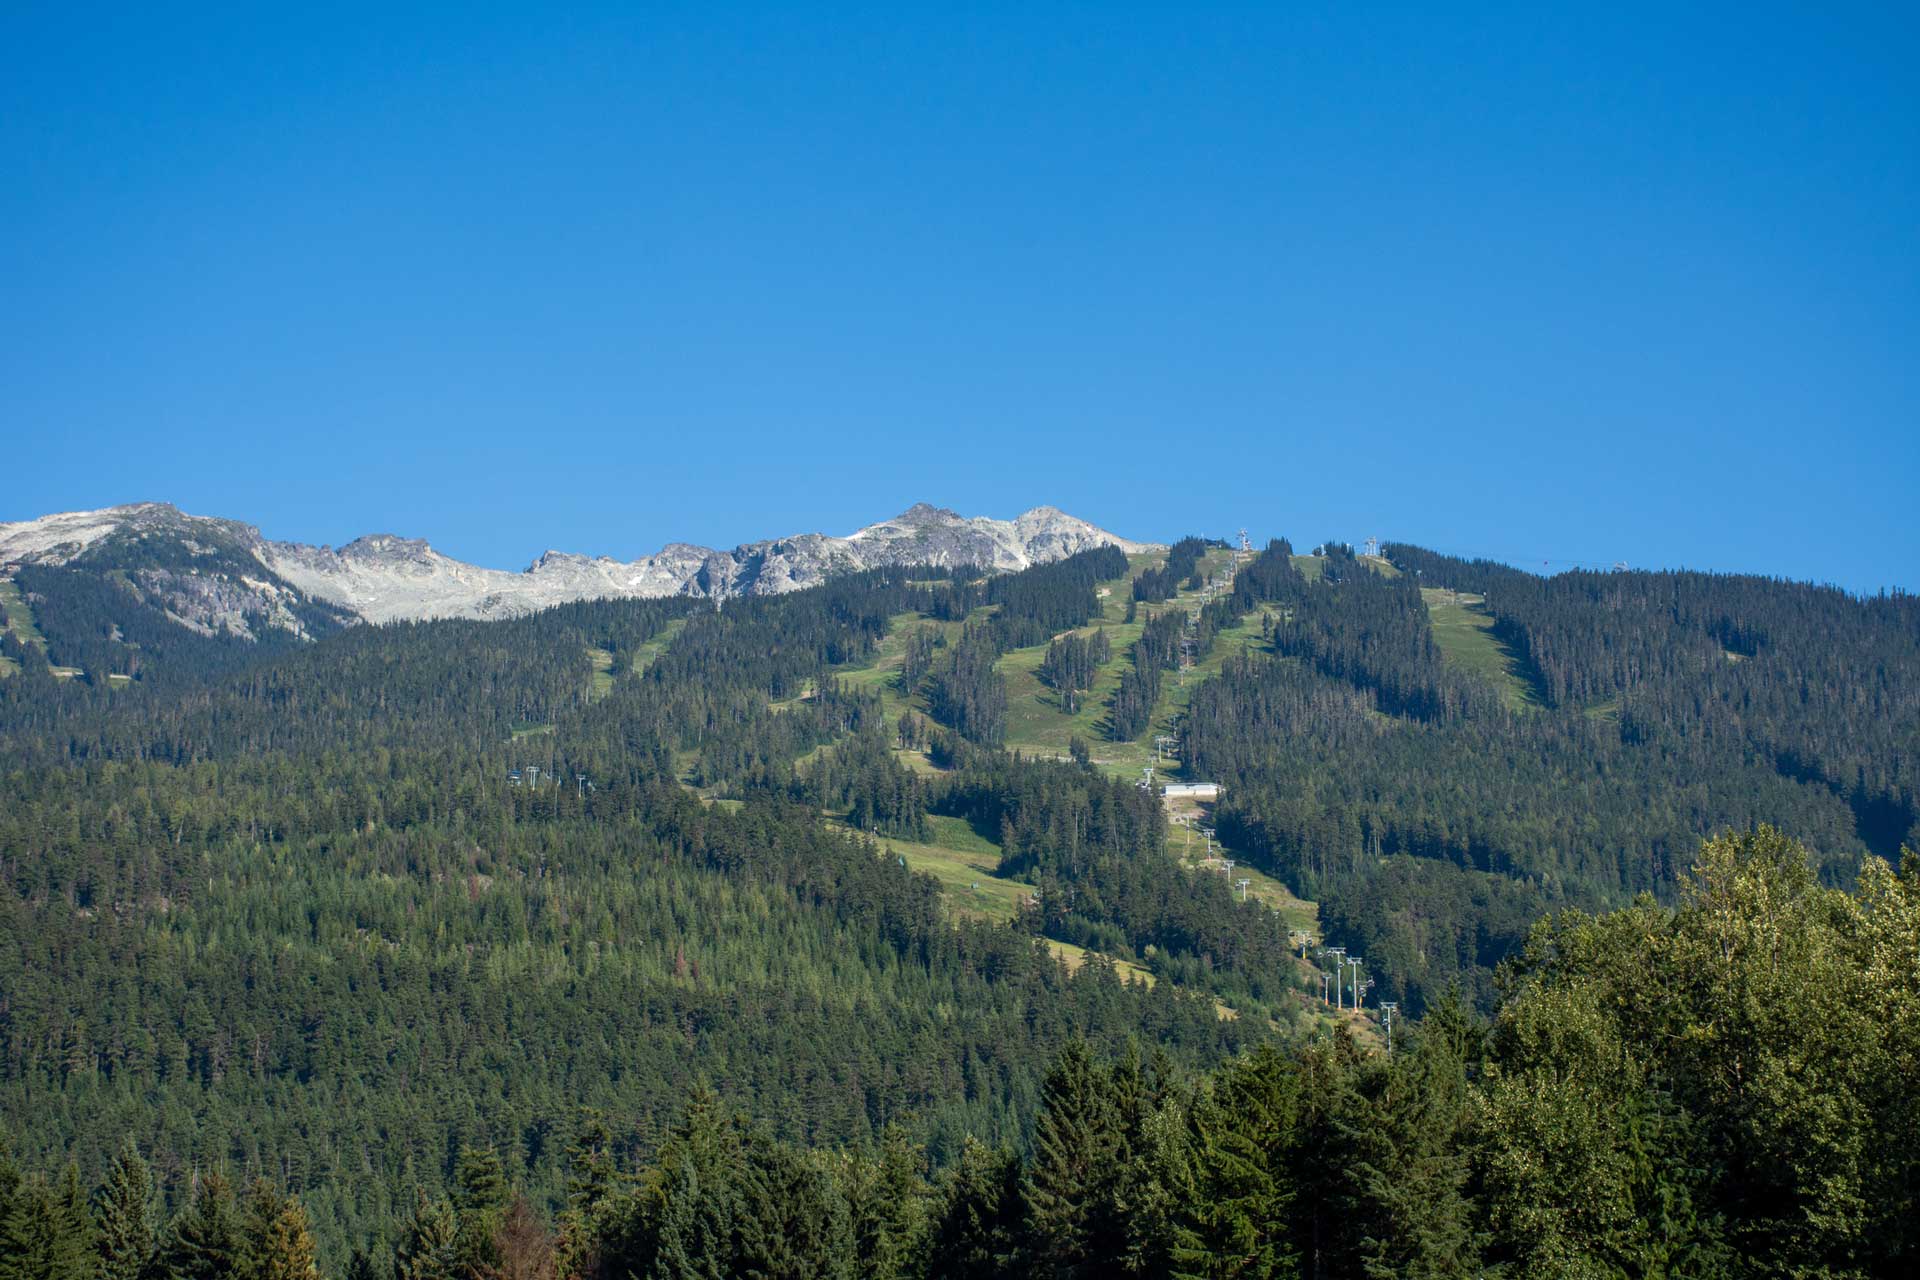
point(1387, 1009)
point(1243, 882)
point(1337, 955)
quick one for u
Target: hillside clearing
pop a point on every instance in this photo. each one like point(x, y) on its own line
point(1463, 629)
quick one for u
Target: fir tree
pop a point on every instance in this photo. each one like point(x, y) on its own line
point(428, 1245)
point(592, 1182)
point(890, 1208)
point(480, 1198)
point(980, 1224)
point(47, 1233)
point(205, 1242)
point(123, 1213)
point(279, 1241)
point(1234, 1223)
point(1069, 1177)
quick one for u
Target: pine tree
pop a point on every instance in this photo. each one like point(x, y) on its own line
point(980, 1226)
point(279, 1241)
point(592, 1182)
point(890, 1208)
point(123, 1213)
point(480, 1199)
point(427, 1249)
point(693, 1207)
point(47, 1233)
point(205, 1242)
point(1070, 1175)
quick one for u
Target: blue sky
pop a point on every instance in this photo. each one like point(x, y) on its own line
point(1630, 283)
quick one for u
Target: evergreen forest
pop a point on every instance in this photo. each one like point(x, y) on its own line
point(839, 933)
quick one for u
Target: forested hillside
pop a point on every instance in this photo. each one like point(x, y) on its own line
point(452, 949)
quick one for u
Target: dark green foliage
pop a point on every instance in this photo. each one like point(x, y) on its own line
point(981, 1221)
point(123, 1214)
point(1078, 1149)
point(480, 1199)
point(968, 693)
point(861, 777)
point(205, 1242)
point(1721, 1088)
point(1162, 583)
point(46, 1232)
point(1095, 848)
point(1071, 663)
point(280, 909)
point(1432, 824)
point(916, 660)
point(429, 1246)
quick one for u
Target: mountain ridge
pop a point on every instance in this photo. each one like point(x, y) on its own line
point(388, 577)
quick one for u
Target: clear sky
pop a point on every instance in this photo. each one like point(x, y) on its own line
point(1633, 283)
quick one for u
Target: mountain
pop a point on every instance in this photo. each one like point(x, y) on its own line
point(216, 574)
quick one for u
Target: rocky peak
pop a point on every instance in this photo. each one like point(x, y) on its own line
point(388, 547)
point(383, 577)
point(926, 513)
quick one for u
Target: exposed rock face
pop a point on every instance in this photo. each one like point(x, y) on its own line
point(384, 578)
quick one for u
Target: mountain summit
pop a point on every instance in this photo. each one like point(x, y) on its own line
point(384, 577)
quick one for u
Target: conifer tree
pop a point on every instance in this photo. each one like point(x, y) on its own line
point(480, 1199)
point(794, 1223)
point(689, 1215)
point(1234, 1222)
point(123, 1213)
point(1415, 1179)
point(979, 1226)
point(428, 1245)
point(47, 1233)
point(1069, 1177)
point(9, 1178)
point(279, 1241)
point(205, 1242)
point(592, 1182)
point(890, 1208)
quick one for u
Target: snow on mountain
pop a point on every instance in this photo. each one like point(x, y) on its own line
point(384, 578)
